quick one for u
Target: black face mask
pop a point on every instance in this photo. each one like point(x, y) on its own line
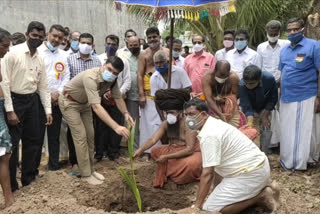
point(135, 51)
point(34, 43)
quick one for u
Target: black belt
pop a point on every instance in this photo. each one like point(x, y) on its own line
point(24, 96)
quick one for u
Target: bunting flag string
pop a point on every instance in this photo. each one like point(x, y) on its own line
point(217, 9)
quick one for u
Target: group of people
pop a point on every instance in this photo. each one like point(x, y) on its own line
point(199, 129)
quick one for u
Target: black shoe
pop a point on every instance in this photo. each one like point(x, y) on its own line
point(98, 157)
point(113, 156)
point(26, 182)
point(50, 168)
point(63, 163)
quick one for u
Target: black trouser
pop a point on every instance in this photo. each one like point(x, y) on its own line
point(72, 150)
point(53, 132)
point(28, 130)
point(105, 138)
point(38, 154)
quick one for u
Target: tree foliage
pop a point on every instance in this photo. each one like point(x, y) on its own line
point(252, 15)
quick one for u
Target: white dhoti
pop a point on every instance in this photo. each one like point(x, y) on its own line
point(235, 189)
point(275, 128)
point(300, 134)
point(149, 123)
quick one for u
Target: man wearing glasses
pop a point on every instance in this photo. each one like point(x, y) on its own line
point(197, 64)
point(300, 99)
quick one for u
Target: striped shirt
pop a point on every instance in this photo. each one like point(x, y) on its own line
point(76, 64)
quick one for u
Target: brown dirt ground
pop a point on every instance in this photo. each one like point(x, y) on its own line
point(57, 192)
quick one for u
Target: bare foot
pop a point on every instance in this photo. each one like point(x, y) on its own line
point(9, 201)
point(267, 199)
point(92, 180)
point(276, 192)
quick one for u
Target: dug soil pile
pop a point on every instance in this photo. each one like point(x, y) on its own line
point(57, 192)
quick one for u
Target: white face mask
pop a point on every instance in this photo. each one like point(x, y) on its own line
point(85, 48)
point(273, 39)
point(171, 119)
point(198, 47)
point(227, 43)
point(220, 80)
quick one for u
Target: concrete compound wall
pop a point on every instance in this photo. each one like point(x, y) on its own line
point(97, 17)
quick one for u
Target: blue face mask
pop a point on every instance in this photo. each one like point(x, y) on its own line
point(108, 76)
point(240, 45)
point(75, 45)
point(50, 47)
point(111, 50)
point(295, 38)
point(163, 69)
point(175, 54)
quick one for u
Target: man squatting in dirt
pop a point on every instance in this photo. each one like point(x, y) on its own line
point(242, 171)
point(180, 160)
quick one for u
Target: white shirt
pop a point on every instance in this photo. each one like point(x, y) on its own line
point(220, 54)
point(180, 62)
point(58, 74)
point(179, 79)
point(269, 58)
point(124, 78)
point(70, 52)
point(239, 62)
point(123, 50)
point(227, 149)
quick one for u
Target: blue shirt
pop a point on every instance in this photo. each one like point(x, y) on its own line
point(299, 70)
point(264, 96)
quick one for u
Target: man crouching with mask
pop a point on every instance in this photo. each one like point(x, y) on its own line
point(244, 169)
point(181, 159)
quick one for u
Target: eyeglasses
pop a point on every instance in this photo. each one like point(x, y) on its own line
point(199, 43)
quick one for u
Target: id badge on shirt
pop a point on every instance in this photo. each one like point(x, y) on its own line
point(59, 68)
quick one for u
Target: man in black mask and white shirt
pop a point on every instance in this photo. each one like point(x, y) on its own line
point(106, 140)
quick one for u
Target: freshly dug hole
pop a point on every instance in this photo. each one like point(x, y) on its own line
point(115, 195)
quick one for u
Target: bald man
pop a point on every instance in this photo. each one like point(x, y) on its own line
point(220, 88)
point(159, 79)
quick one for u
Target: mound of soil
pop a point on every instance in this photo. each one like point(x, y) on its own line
point(58, 192)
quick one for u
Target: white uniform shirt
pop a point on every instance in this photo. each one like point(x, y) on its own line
point(57, 69)
point(239, 62)
point(269, 58)
point(180, 62)
point(179, 79)
point(124, 78)
point(227, 149)
point(220, 54)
